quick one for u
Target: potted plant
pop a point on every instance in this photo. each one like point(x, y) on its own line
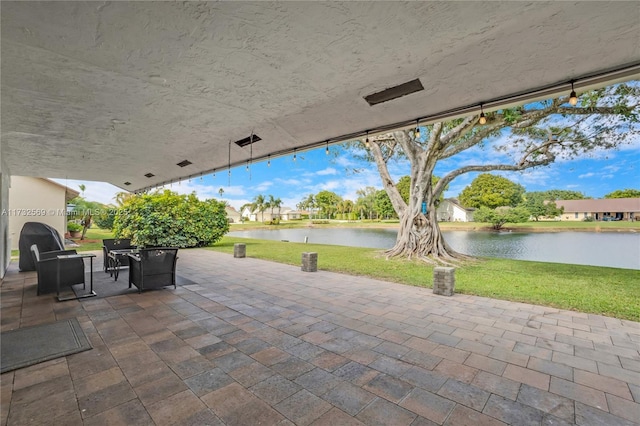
point(75, 229)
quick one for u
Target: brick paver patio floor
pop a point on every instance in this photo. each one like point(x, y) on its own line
point(256, 342)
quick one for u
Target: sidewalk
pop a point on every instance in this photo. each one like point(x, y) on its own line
point(257, 342)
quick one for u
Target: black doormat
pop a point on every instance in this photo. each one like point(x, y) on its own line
point(105, 285)
point(32, 345)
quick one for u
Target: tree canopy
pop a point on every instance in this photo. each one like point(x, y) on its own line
point(166, 219)
point(539, 204)
point(491, 191)
point(498, 217)
point(624, 193)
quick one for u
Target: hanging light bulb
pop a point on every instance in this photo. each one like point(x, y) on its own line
point(214, 173)
point(326, 150)
point(247, 166)
point(573, 98)
point(294, 155)
point(366, 142)
point(269, 161)
point(417, 129)
point(483, 118)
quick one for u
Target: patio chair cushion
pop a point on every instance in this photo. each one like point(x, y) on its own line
point(47, 263)
point(153, 268)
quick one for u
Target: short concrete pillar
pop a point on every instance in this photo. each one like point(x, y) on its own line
point(444, 281)
point(239, 250)
point(309, 262)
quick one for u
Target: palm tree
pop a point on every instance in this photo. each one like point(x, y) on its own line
point(123, 197)
point(277, 203)
point(271, 204)
point(259, 205)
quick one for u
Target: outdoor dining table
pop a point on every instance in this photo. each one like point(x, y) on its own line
point(75, 256)
point(115, 260)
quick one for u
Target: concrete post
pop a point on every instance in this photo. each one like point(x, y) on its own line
point(444, 281)
point(309, 262)
point(239, 250)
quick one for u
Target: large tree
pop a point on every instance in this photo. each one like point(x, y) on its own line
point(624, 193)
point(491, 191)
point(529, 136)
point(539, 205)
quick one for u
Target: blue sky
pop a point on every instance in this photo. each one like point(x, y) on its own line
point(596, 175)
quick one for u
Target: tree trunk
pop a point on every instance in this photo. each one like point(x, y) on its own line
point(420, 237)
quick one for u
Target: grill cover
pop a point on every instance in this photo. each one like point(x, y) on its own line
point(40, 234)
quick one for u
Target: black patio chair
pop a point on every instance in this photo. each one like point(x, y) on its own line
point(47, 263)
point(115, 244)
point(153, 268)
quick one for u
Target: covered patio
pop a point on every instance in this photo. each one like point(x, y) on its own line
point(255, 342)
point(141, 94)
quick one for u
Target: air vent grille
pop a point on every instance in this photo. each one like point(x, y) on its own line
point(248, 140)
point(394, 92)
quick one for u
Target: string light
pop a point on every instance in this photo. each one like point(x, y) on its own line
point(366, 142)
point(247, 165)
point(269, 161)
point(294, 155)
point(483, 118)
point(417, 129)
point(573, 98)
point(326, 151)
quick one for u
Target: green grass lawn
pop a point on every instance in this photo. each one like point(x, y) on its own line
point(605, 291)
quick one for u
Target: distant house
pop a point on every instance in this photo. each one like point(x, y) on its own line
point(604, 209)
point(37, 200)
point(284, 213)
point(450, 210)
point(290, 214)
point(232, 215)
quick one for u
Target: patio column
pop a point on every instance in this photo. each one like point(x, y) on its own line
point(309, 262)
point(239, 250)
point(444, 281)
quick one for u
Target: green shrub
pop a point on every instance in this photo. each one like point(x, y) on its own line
point(73, 226)
point(105, 219)
point(166, 219)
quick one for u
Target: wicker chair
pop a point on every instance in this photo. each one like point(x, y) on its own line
point(153, 268)
point(115, 244)
point(47, 263)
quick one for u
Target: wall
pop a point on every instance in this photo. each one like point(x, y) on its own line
point(35, 195)
point(5, 251)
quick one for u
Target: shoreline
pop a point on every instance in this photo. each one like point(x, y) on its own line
point(444, 226)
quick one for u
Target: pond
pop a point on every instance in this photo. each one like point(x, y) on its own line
point(617, 250)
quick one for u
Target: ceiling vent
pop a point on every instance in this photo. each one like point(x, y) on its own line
point(394, 92)
point(184, 163)
point(149, 175)
point(247, 141)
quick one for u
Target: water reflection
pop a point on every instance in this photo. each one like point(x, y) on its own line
point(618, 250)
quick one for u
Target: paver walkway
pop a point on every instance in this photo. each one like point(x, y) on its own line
point(257, 342)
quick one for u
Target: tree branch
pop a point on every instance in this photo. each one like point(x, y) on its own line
point(394, 195)
point(442, 183)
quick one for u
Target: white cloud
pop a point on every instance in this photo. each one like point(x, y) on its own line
point(263, 186)
point(101, 192)
point(586, 175)
point(293, 182)
point(327, 171)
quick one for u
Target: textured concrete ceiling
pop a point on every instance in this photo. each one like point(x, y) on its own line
point(112, 91)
